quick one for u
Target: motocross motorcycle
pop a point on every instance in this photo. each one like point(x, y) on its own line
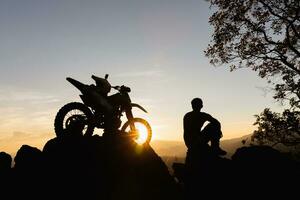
point(94, 117)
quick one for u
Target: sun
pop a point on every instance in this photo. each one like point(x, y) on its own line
point(142, 134)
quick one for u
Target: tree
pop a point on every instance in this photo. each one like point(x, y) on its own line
point(263, 35)
point(275, 128)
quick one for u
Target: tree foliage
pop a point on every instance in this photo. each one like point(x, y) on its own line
point(275, 128)
point(263, 35)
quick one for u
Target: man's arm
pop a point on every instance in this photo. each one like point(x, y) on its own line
point(212, 120)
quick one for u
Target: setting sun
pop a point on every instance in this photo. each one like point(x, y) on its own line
point(142, 134)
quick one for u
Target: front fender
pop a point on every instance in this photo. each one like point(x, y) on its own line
point(139, 106)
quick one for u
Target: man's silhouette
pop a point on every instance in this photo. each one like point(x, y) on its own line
point(193, 135)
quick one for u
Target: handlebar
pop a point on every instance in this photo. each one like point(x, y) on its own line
point(122, 88)
point(116, 87)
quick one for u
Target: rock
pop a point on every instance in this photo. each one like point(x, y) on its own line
point(111, 167)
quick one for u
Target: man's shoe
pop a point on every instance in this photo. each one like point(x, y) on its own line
point(220, 152)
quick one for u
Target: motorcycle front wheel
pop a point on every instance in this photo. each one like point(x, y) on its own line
point(139, 129)
point(74, 112)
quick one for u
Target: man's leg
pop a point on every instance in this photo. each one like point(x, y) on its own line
point(215, 145)
point(213, 133)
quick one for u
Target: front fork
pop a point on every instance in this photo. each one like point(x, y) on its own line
point(129, 116)
point(128, 111)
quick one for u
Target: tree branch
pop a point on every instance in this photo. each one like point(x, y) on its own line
point(255, 28)
point(272, 11)
point(290, 65)
point(289, 41)
point(295, 31)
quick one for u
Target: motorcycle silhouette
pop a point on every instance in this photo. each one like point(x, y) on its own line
point(94, 116)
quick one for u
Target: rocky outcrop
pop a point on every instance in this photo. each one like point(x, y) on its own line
point(74, 166)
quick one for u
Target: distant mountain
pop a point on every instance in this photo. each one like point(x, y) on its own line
point(169, 148)
point(166, 148)
point(231, 145)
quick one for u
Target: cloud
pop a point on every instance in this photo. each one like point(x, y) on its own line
point(28, 117)
point(23, 109)
point(12, 143)
point(12, 94)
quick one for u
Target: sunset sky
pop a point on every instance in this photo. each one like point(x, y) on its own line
point(155, 47)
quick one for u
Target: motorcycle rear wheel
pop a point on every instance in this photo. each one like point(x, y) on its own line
point(143, 133)
point(68, 113)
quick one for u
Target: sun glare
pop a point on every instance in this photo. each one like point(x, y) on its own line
point(142, 132)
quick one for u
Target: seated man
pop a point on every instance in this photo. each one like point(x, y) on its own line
point(192, 124)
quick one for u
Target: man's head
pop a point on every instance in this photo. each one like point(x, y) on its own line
point(197, 104)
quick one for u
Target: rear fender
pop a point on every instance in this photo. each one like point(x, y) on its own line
point(80, 86)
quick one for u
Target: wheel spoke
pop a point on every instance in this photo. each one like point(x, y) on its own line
point(74, 112)
point(71, 113)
